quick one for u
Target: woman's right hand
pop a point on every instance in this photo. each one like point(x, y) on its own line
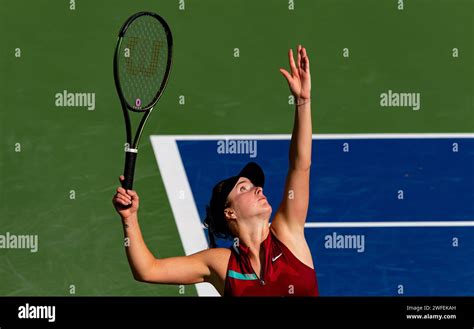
point(126, 202)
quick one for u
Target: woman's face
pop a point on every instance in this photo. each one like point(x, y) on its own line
point(247, 200)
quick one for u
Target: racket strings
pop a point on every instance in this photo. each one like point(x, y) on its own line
point(142, 72)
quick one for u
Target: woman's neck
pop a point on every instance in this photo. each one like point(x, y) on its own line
point(253, 238)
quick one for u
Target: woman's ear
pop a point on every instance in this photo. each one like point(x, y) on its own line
point(229, 213)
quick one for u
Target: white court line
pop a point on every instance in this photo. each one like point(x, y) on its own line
point(182, 201)
point(184, 209)
point(321, 136)
point(389, 224)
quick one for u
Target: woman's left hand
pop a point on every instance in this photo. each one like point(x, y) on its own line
point(299, 80)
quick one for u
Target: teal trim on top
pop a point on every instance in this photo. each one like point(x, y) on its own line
point(241, 276)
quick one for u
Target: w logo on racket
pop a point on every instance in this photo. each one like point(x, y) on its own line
point(136, 63)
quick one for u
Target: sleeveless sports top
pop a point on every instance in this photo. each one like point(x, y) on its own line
point(283, 273)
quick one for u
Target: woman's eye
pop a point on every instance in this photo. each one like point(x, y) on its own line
point(242, 188)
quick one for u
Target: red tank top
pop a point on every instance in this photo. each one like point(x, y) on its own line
point(283, 273)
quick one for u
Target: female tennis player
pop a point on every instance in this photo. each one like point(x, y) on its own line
point(265, 260)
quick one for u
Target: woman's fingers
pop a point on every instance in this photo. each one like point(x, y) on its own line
point(287, 75)
point(121, 190)
point(306, 60)
point(123, 200)
point(294, 70)
point(123, 197)
point(298, 61)
point(301, 61)
point(133, 194)
point(121, 194)
point(117, 200)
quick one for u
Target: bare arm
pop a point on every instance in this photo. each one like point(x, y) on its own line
point(291, 215)
point(175, 270)
point(205, 266)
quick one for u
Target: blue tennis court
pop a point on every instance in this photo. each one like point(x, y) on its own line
point(387, 216)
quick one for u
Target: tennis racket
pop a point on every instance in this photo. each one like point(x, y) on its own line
point(142, 65)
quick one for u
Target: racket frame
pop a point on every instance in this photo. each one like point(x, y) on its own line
point(131, 149)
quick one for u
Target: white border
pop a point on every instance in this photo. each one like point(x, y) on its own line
point(184, 208)
point(319, 136)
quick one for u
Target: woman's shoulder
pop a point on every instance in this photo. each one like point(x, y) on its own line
point(217, 260)
point(224, 252)
point(217, 257)
point(295, 244)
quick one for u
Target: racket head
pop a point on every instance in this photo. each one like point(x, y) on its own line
point(142, 61)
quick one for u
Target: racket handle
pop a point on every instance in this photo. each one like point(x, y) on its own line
point(130, 158)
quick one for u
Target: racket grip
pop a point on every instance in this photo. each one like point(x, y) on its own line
point(130, 158)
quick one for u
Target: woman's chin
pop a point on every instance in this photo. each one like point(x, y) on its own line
point(267, 206)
